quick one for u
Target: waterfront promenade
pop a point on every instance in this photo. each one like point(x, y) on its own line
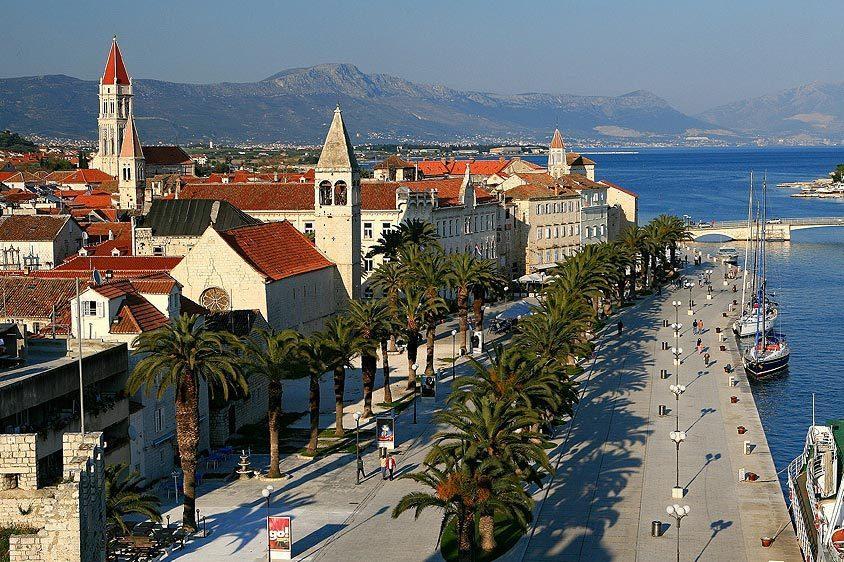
point(615, 467)
point(616, 463)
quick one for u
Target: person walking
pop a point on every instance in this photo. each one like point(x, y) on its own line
point(383, 464)
point(391, 465)
point(700, 326)
point(706, 359)
point(699, 346)
point(361, 471)
point(694, 326)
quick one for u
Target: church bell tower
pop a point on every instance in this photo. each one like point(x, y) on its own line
point(337, 207)
point(557, 165)
point(132, 169)
point(115, 109)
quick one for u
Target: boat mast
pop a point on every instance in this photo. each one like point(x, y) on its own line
point(747, 246)
point(763, 311)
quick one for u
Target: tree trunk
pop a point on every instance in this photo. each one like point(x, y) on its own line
point(412, 354)
point(339, 390)
point(646, 263)
point(187, 437)
point(393, 343)
point(463, 317)
point(465, 536)
point(368, 364)
point(633, 280)
point(313, 408)
point(385, 362)
point(430, 336)
point(486, 531)
point(274, 391)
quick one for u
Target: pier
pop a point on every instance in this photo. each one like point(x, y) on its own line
point(777, 229)
point(615, 460)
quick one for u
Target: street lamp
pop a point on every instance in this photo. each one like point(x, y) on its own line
point(678, 437)
point(677, 305)
point(677, 352)
point(506, 288)
point(415, 387)
point(677, 390)
point(678, 512)
point(357, 448)
point(267, 493)
point(689, 286)
point(453, 352)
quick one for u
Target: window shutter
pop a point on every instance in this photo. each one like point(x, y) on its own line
point(100, 309)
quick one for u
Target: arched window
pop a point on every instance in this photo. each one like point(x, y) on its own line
point(325, 193)
point(340, 193)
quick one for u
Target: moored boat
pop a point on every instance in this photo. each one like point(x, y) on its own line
point(768, 357)
point(815, 494)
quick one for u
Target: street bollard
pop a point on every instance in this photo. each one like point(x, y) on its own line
point(748, 447)
point(663, 410)
point(656, 528)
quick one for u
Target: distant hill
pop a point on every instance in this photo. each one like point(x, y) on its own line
point(814, 111)
point(295, 106)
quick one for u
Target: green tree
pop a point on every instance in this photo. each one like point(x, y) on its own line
point(179, 356)
point(126, 496)
point(468, 274)
point(338, 344)
point(372, 323)
point(430, 271)
point(278, 357)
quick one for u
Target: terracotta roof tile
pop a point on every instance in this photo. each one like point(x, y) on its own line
point(115, 71)
point(276, 249)
point(136, 315)
point(33, 297)
point(618, 187)
point(138, 264)
point(31, 227)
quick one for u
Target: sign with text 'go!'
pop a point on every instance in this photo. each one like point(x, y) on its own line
point(280, 537)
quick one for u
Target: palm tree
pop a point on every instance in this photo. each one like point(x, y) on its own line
point(338, 344)
point(372, 322)
point(634, 239)
point(180, 355)
point(489, 279)
point(411, 310)
point(469, 273)
point(125, 496)
point(419, 233)
point(430, 270)
point(278, 357)
point(388, 245)
point(388, 278)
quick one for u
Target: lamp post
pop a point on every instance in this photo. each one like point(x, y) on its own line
point(357, 448)
point(415, 387)
point(677, 305)
point(678, 512)
point(677, 390)
point(453, 352)
point(267, 493)
point(678, 437)
point(689, 286)
point(506, 288)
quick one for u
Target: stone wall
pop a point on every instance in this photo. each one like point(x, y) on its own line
point(248, 410)
point(18, 461)
point(70, 516)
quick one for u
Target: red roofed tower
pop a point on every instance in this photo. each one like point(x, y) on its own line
point(115, 109)
point(131, 163)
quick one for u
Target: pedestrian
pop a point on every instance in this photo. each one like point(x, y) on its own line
point(699, 346)
point(706, 359)
point(700, 326)
point(361, 472)
point(734, 288)
point(620, 327)
point(383, 464)
point(694, 326)
point(391, 465)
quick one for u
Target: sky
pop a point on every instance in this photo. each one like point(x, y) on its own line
point(696, 54)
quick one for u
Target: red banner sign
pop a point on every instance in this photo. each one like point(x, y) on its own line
point(280, 537)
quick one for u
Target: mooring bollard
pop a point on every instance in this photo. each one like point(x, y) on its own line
point(656, 528)
point(663, 410)
point(748, 447)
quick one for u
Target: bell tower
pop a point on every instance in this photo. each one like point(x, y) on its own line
point(131, 169)
point(337, 208)
point(115, 108)
point(557, 165)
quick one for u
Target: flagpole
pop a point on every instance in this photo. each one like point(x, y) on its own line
point(79, 337)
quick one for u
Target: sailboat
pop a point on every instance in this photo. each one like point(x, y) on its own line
point(769, 352)
point(748, 323)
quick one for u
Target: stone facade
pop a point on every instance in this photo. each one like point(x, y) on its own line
point(69, 516)
point(18, 462)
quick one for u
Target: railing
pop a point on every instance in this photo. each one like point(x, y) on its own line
point(798, 221)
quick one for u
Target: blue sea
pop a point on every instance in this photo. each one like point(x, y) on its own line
point(807, 274)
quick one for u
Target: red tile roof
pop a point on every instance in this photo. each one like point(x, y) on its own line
point(33, 297)
point(276, 249)
point(432, 168)
point(115, 71)
point(131, 147)
point(31, 227)
point(99, 201)
point(79, 177)
point(575, 159)
point(136, 315)
point(557, 140)
point(107, 247)
point(255, 196)
point(137, 264)
point(165, 155)
point(17, 196)
point(101, 229)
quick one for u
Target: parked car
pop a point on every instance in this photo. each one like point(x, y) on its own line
point(774, 221)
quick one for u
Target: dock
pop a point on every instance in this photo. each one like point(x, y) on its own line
point(616, 462)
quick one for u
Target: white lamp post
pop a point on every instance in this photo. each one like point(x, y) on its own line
point(677, 305)
point(678, 512)
point(677, 390)
point(357, 448)
point(415, 387)
point(678, 437)
point(689, 286)
point(677, 352)
point(267, 493)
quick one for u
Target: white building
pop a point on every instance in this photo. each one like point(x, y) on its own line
point(33, 242)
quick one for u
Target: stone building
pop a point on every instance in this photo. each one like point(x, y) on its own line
point(394, 168)
point(68, 515)
point(115, 108)
point(33, 242)
point(270, 268)
point(623, 209)
point(173, 226)
point(546, 226)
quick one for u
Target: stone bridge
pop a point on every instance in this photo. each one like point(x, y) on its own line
point(777, 229)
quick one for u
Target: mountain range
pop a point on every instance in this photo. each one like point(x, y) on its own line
point(295, 106)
